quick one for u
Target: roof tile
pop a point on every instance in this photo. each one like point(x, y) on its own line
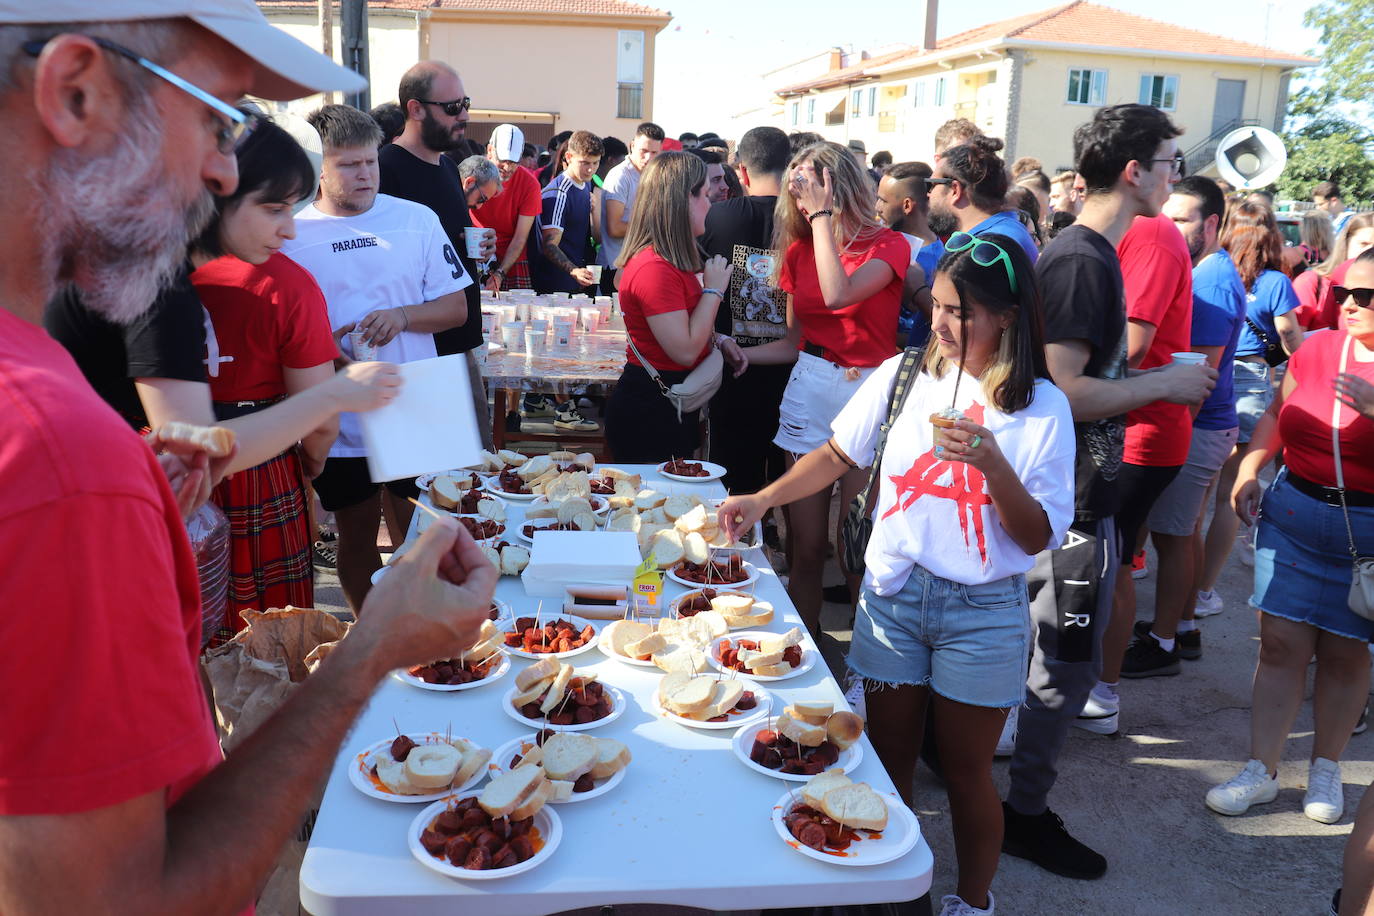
point(574, 7)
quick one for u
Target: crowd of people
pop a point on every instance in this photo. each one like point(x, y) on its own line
point(1069, 366)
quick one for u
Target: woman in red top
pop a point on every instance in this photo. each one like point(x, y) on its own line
point(843, 271)
point(1303, 561)
point(669, 316)
point(1317, 308)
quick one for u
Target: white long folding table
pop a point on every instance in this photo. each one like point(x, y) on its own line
point(690, 824)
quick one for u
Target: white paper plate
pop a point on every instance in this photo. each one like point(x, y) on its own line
point(425, 481)
point(807, 663)
point(750, 568)
point(617, 710)
point(755, 541)
point(600, 505)
point(899, 838)
point(578, 621)
point(744, 741)
point(753, 716)
point(491, 487)
point(505, 752)
point(359, 772)
point(405, 677)
point(714, 472)
point(672, 606)
point(539, 523)
point(546, 820)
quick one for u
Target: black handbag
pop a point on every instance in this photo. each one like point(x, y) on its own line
point(858, 521)
point(1274, 354)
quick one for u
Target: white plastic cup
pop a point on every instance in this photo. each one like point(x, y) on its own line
point(472, 238)
point(534, 341)
point(1189, 359)
point(563, 332)
point(522, 311)
point(489, 323)
point(541, 325)
point(513, 334)
point(596, 273)
point(591, 320)
point(363, 351)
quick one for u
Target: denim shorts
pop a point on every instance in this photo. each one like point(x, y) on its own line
point(1254, 391)
point(1302, 560)
point(968, 643)
point(816, 392)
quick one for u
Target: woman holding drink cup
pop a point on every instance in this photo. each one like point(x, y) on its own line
point(975, 479)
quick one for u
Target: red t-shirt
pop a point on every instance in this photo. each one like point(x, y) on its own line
point(519, 197)
point(649, 285)
point(862, 334)
point(1316, 303)
point(1305, 418)
point(99, 601)
point(1158, 275)
point(263, 319)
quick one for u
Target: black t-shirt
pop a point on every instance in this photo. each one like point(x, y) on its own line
point(167, 341)
point(741, 230)
point(1080, 282)
point(440, 188)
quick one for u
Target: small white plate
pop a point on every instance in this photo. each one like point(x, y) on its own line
point(673, 605)
point(425, 481)
point(807, 663)
point(539, 524)
point(546, 821)
point(502, 535)
point(744, 741)
point(509, 623)
point(713, 472)
point(491, 487)
point(360, 772)
point(750, 717)
point(505, 752)
point(900, 836)
point(647, 663)
point(750, 568)
point(405, 677)
point(600, 505)
point(617, 710)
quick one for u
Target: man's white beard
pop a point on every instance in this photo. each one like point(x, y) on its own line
point(121, 231)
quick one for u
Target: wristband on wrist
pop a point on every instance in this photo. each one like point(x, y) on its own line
point(811, 218)
point(406, 317)
point(712, 291)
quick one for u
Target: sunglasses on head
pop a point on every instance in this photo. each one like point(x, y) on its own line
point(1362, 297)
point(984, 253)
point(452, 109)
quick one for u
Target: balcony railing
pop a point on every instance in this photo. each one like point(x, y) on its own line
point(1199, 157)
point(629, 100)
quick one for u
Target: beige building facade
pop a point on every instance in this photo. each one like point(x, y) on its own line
point(513, 58)
point(1033, 79)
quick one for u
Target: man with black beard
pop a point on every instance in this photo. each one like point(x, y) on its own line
point(414, 167)
point(111, 133)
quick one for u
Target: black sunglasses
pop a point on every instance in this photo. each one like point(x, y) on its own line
point(931, 181)
point(1362, 297)
point(456, 107)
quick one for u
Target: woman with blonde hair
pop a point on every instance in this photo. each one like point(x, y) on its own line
point(1318, 307)
point(1317, 237)
point(669, 316)
point(843, 272)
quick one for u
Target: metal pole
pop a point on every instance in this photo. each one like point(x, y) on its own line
point(353, 35)
point(327, 38)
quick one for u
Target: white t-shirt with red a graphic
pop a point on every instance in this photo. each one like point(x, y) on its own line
point(938, 513)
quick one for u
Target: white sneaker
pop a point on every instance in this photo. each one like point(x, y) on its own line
point(1209, 604)
point(954, 905)
point(854, 693)
point(1251, 786)
point(1005, 746)
point(1325, 798)
point(1101, 715)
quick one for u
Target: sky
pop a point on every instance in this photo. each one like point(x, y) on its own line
point(710, 56)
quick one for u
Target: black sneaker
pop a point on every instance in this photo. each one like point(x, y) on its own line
point(533, 406)
point(1042, 839)
point(326, 556)
point(1336, 903)
point(1187, 645)
point(1147, 658)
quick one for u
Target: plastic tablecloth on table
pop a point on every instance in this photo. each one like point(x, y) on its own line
point(596, 358)
point(690, 824)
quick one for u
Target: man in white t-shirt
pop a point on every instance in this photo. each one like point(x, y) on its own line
point(618, 192)
point(388, 271)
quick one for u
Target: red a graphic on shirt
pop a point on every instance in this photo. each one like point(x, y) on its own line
point(968, 489)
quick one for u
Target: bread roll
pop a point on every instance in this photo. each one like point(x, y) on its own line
point(215, 441)
point(844, 728)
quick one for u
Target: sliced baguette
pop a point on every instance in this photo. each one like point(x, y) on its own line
point(692, 697)
point(650, 644)
point(533, 693)
point(444, 492)
point(562, 790)
point(800, 732)
point(724, 698)
point(809, 710)
point(530, 758)
point(538, 799)
point(761, 614)
point(557, 689)
point(568, 755)
point(620, 633)
point(612, 757)
point(792, 637)
point(856, 805)
point(777, 670)
point(694, 548)
point(752, 659)
point(813, 790)
point(731, 605)
point(680, 657)
point(473, 761)
point(509, 790)
point(542, 670)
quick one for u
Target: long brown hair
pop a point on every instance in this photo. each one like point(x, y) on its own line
point(1341, 246)
point(661, 218)
point(1253, 241)
point(854, 223)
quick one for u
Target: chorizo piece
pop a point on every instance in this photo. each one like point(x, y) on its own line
point(478, 859)
point(457, 850)
point(522, 846)
point(434, 842)
point(504, 857)
point(400, 748)
point(449, 822)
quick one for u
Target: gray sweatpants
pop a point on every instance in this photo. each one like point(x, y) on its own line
point(1070, 605)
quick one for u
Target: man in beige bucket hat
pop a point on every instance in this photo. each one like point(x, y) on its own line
point(117, 124)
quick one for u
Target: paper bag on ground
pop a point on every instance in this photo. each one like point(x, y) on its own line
point(431, 426)
point(254, 673)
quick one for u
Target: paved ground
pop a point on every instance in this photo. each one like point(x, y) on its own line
point(1137, 797)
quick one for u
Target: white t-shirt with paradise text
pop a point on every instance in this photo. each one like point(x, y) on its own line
point(938, 513)
point(396, 253)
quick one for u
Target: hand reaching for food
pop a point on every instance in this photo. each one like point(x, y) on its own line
point(740, 513)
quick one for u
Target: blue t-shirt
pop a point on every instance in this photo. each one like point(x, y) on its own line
point(1271, 295)
point(1009, 224)
point(915, 325)
point(566, 207)
point(1218, 316)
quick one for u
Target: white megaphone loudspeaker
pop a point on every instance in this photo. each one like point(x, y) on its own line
point(1251, 157)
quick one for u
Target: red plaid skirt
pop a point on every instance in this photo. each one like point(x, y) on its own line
point(270, 562)
point(519, 275)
